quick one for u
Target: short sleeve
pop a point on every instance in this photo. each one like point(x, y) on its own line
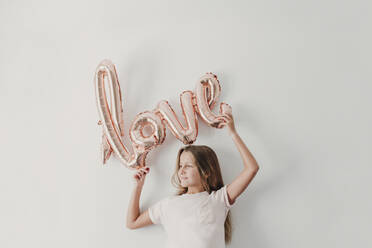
point(156, 211)
point(221, 197)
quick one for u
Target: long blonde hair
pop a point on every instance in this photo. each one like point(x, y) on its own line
point(207, 164)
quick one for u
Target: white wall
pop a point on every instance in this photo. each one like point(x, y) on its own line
point(297, 74)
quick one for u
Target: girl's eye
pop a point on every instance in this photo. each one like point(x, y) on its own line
point(185, 166)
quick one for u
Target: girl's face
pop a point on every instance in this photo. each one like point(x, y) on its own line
point(188, 172)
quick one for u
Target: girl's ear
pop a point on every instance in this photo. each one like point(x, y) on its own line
point(206, 175)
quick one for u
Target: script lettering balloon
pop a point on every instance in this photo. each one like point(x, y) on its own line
point(186, 134)
point(207, 92)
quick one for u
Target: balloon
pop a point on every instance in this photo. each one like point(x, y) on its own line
point(207, 92)
point(158, 130)
point(112, 122)
point(186, 135)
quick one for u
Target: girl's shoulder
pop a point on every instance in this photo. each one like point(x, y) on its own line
point(221, 196)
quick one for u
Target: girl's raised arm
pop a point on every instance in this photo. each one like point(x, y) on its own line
point(241, 182)
point(134, 218)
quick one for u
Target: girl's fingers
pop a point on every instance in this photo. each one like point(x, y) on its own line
point(141, 173)
point(140, 177)
point(222, 119)
point(144, 169)
point(227, 118)
point(222, 125)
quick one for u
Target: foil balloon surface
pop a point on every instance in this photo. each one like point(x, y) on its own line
point(110, 110)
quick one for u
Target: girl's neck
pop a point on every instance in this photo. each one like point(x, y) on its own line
point(194, 189)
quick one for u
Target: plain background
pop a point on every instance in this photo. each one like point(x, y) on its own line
point(296, 73)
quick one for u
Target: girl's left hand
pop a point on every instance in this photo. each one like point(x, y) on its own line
point(229, 122)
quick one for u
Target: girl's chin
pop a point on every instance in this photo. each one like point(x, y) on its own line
point(184, 184)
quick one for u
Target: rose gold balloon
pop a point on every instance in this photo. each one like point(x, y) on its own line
point(112, 120)
point(188, 134)
point(207, 92)
point(225, 108)
point(155, 138)
point(106, 149)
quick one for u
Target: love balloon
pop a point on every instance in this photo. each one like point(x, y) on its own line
point(201, 102)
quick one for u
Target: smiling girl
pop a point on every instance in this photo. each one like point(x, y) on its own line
point(198, 214)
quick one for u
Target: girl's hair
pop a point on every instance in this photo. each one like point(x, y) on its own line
point(210, 172)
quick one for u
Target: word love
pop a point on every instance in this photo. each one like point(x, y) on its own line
point(201, 102)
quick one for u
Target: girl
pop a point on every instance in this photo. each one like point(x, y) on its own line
point(198, 215)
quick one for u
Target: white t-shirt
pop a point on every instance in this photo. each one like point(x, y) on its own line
point(193, 220)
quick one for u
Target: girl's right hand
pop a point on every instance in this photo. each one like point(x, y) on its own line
point(140, 175)
point(229, 122)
